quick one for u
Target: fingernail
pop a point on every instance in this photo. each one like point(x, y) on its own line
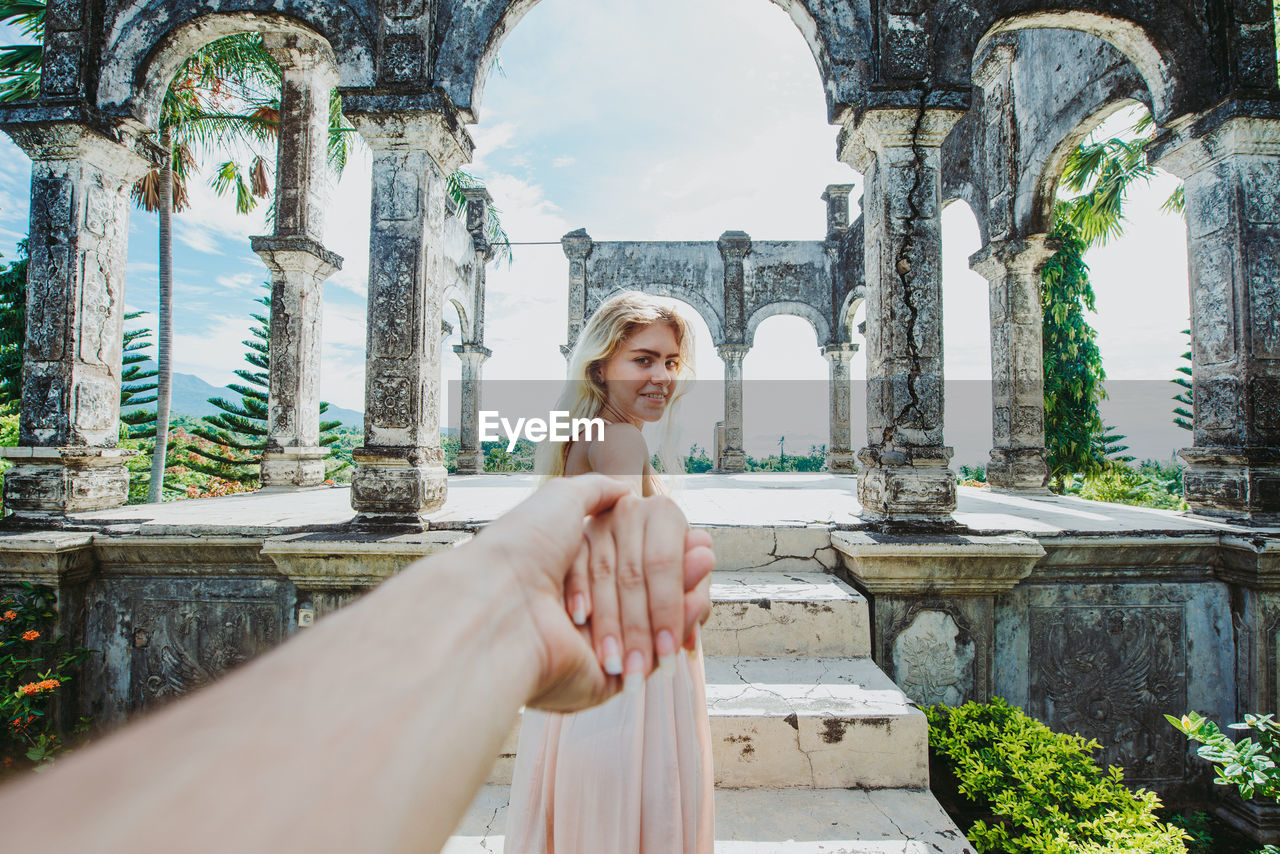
point(666, 648)
point(612, 656)
point(635, 672)
point(579, 609)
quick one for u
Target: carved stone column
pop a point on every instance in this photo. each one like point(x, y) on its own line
point(67, 459)
point(470, 454)
point(576, 246)
point(400, 472)
point(734, 246)
point(904, 473)
point(1229, 164)
point(1012, 267)
point(299, 265)
point(837, 198)
point(732, 458)
point(840, 452)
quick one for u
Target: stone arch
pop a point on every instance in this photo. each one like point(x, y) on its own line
point(153, 37)
point(848, 310)
point(821, 325)
point(464, 322)
point(839, 37)
point(694, 299)
point(1153, 56)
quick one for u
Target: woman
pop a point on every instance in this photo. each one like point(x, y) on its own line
point(633, 775)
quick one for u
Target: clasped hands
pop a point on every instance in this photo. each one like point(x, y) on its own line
point(614, 585)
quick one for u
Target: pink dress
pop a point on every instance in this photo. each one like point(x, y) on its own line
point(631, 776)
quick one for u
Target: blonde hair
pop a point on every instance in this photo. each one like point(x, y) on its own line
point(585, 395)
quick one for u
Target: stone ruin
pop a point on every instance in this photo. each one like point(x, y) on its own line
point(980, 100)
point(936, 101)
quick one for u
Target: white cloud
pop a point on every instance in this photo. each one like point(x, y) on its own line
point(215, 350)
point(562, 162)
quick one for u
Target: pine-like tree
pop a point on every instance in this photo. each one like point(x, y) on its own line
point(137, 383)
point(239, 430)
point(1182, 413)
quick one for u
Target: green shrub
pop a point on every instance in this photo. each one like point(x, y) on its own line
point(1036, 791)
point(1150, 485)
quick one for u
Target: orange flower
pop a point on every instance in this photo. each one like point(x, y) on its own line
point(30, 635)
point(10, 615)
point(38, 687)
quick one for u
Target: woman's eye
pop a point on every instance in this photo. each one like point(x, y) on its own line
point(675, 366)
point(643, 360)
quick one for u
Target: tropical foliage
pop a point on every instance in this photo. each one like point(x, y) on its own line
point(237, 435)
point(36, 663)
point(13, 326)
point(1095, 185)
point(1182, 413)
point(1017, 787)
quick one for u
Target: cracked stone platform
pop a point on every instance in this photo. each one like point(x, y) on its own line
point(777, 501)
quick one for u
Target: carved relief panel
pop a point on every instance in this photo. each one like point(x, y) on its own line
point(178, 645)
point(1110, 672)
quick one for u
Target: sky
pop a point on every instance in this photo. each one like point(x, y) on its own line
point(638, 120)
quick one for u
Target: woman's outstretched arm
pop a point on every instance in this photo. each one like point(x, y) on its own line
point(370, 731)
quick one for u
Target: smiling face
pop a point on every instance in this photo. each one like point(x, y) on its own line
point(641, 374)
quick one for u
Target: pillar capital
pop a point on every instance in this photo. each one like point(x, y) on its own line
point(839, 352)
point(577, 244)
point(1000, 258)
point(128, 157)
point(474, 352)
point(443, 139)
point(734, 244)
point(733, 352)
point(295, 253)
point(880, 130)
point(1196, 143)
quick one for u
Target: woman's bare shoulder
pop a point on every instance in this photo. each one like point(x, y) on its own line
point(621, 451)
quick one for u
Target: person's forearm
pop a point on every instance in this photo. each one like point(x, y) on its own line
point(368, 732)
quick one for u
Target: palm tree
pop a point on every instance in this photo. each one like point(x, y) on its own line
point(220, 96)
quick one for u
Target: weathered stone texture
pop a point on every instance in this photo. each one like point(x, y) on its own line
point(400, 473)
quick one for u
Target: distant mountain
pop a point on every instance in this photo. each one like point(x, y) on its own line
point(191, 397)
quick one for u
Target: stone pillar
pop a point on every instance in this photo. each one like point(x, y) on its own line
point(1012, 267)
point(299, 265)
point(576, 246)
point(1229, 164)
point(840, 451)
point(470, 454)
point(734, 246)
point(837, 198)
point(903, 473)
point(732, 458)
point(67, 459)
point(400, 472)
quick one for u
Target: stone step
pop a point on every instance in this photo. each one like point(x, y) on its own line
point(801, 613)
point(777, 821)
point(773, 548)
point(815, 723)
